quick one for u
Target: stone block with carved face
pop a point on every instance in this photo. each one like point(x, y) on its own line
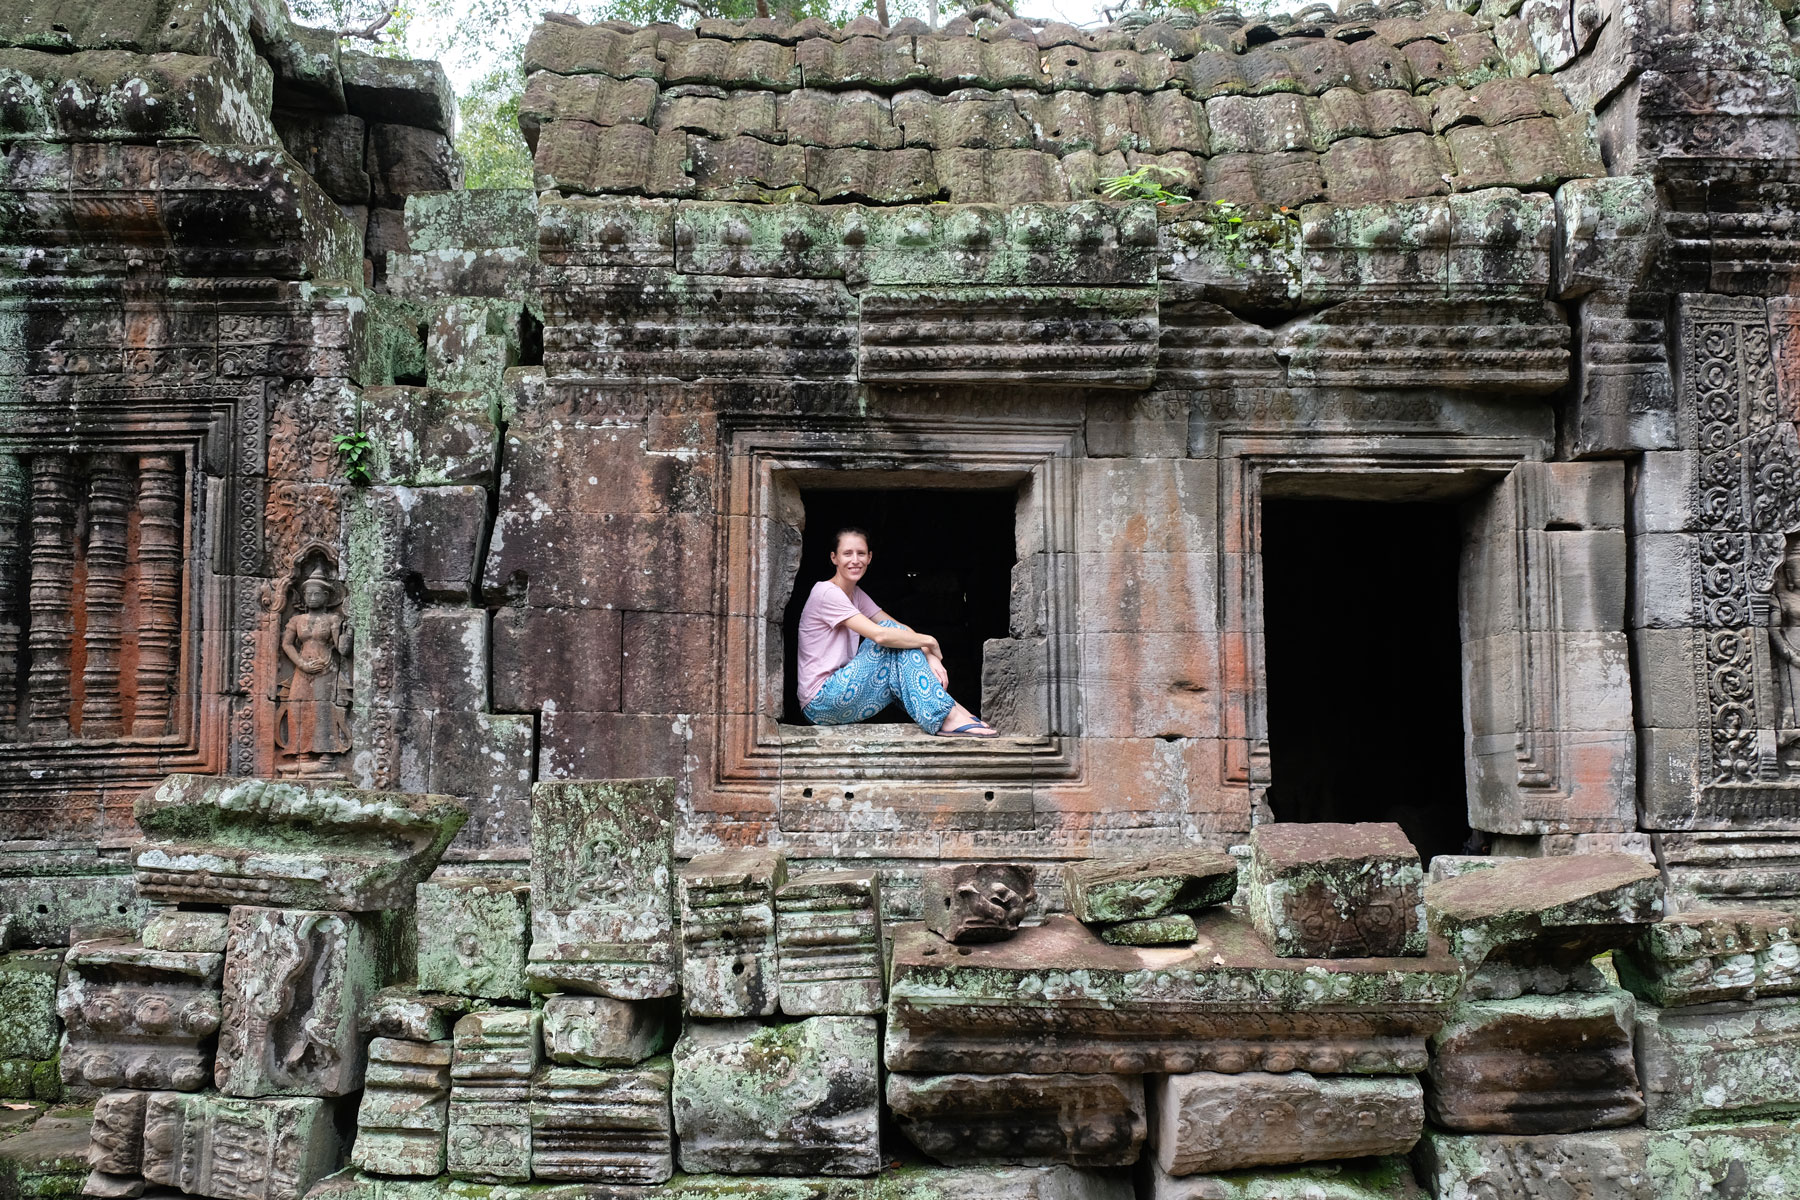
point(1326, 890)
point(978, 902)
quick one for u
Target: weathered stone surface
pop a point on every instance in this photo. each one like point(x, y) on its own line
point(1603, 1165)
point(1707, 1161)
point(1209, 1122)
point(1713, 955)
point(472, 937)
point(1558, 911)
point(1537, 1064)
point(47, 1161)
point(185, 932)
point(1707, 1063)
point(116, 1139)
point(401, 1123)
point(236, 1149)
point(795, 1099)
point(1027, 1120)
point(828, 935)
point(599, 1031)
point(494, 1055)
point(1055, 998)
point(214, 840)
point(728, 933)
point(410, 91)
point(296, 983)
point(403, 1013)
point(602, 888)
point(29, 1026)
point(602, 1126)
point(1363, 1179)
point(1177, 929)
point(977, 902)
point(1133, 889)
point(1336, 891)
point(138, 1018)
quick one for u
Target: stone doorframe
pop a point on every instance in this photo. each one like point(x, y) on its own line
point(770, 459)
point(1532, 794)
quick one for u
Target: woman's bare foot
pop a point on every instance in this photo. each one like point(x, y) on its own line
point(963, 723)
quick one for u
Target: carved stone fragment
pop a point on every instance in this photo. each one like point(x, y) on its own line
point(29, 1027)
point(1211, 1122)
point(138, 1018)
point(796, 1099)
point(116, 1142)
point(1359, 1179)
point(1336, 891)
point(1176, 929)
point(472, 937)
point(296, 983)
point(237, 1149)
point(602, 1126)
point(1601, 1165)
point(828, 931)
point(401, 1123)
point(728, 933)
point(217, 840)
point(1713, 955)
point(1537, 1064)
point(1707, 1063)
point(598, 1031)
point(402, 1012)
point(1056, 998)
point(1555, 911)
point(1715, 1160)
point(185, 932)
point(977, 902)
point(1025, 1120)
point(494, 1056)
point(1135, 889)
point(602, 888)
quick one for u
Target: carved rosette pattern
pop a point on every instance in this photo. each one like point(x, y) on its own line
point(1745, 496)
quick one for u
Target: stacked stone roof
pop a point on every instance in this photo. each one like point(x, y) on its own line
point(1376, 102)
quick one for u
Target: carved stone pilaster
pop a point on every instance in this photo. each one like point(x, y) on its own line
point(159, 590)
point(52, 593)
point(109, 508)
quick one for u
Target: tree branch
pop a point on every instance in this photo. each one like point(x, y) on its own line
point(370, 31)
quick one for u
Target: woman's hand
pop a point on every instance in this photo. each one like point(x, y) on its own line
point(937, 669)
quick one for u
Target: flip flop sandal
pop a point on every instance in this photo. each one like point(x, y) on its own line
point(963, 731)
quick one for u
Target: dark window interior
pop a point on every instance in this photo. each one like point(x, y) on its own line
point(941, 562)
point(1364, 658)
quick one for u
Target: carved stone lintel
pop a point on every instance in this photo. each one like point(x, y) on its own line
point(1336, 891)
point(1028, 1120)
point(138, 1018)
point(603, 1126)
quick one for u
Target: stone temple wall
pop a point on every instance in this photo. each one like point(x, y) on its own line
point(391, 584)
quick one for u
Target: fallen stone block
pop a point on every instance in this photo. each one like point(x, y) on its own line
point(1713, 955)
point(236, 1149)
point(828, 940)
point(1557, 911)
point(1363, 1179)
point(1209, 1122)
point(29, 1027)
point(1336, 891)
point(404, 1115)
point(1535, 1065)
point(1710, 1063)
point(977, 902)
point(116, 1144)
point(602, 888)
point(472, 937)
point(598, 1031)
point(185, 932)
point(138, 1018)
point(795, 1099)
point(1135, 889)
point(48, 1161)
point(219, 840)
point(494, 1055)
point(602, 1126)
point(1022, 1120)
point(728, 963)
point(1602, 1165)
point(1176, 929)
point(404, 1013)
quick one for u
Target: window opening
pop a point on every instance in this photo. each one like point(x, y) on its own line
point(1362, 645)
point(943, 560)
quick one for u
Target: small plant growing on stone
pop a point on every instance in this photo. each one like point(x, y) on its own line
point(356, 448)
point(1137, 184)
point(1227, 230)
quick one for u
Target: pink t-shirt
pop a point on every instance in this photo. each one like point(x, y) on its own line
point(826, 643)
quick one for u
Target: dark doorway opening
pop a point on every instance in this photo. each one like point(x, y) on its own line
point(1364, 655)
point(942, 563)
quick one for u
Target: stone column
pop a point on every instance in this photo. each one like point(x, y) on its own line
point(159, 590)
point(109, 508)
point(52, 593)
point(15, 494)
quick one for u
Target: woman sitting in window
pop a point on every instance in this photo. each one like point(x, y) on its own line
point(842, 682)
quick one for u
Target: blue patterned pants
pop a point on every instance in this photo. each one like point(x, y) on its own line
point(876, 677)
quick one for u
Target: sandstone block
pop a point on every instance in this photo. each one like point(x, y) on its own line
point(1713, 955)
point(796, 1099)
point(596, 1126)
point(598, 1031)
point(1707, 1063)
point(1001, 1183)
point(1559, 911)
point(29, 1026)
point(1362, 1179)
point(238, 1149)
point(1534, 1065)
point(602, 888)
point(1026, 1120)
point(185, 932)
point(728, 933)
point(497, 1045)
point(1176, 929)
point(1210, 1122)
point(46, 1161)
point(1714, 1161)
point(138, 1018)
point(489, 1136)
point(401, 1123)
point(218, 840)
point(1336, 891)
point(403, 160)
point(402, 1012)
point(1132, 889)
point(413, 91)
point(828, 935)
point(977, 902)
point(48, 899)
point(473, 936)
point(1605, 1165)
point(331, 148)
point(116, 1138)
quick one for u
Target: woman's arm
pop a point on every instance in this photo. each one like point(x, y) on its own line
point(893, 637)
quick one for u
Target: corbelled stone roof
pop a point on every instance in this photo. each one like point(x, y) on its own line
point(1374, 103)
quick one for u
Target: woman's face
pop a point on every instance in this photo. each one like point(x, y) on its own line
point(852, 557)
